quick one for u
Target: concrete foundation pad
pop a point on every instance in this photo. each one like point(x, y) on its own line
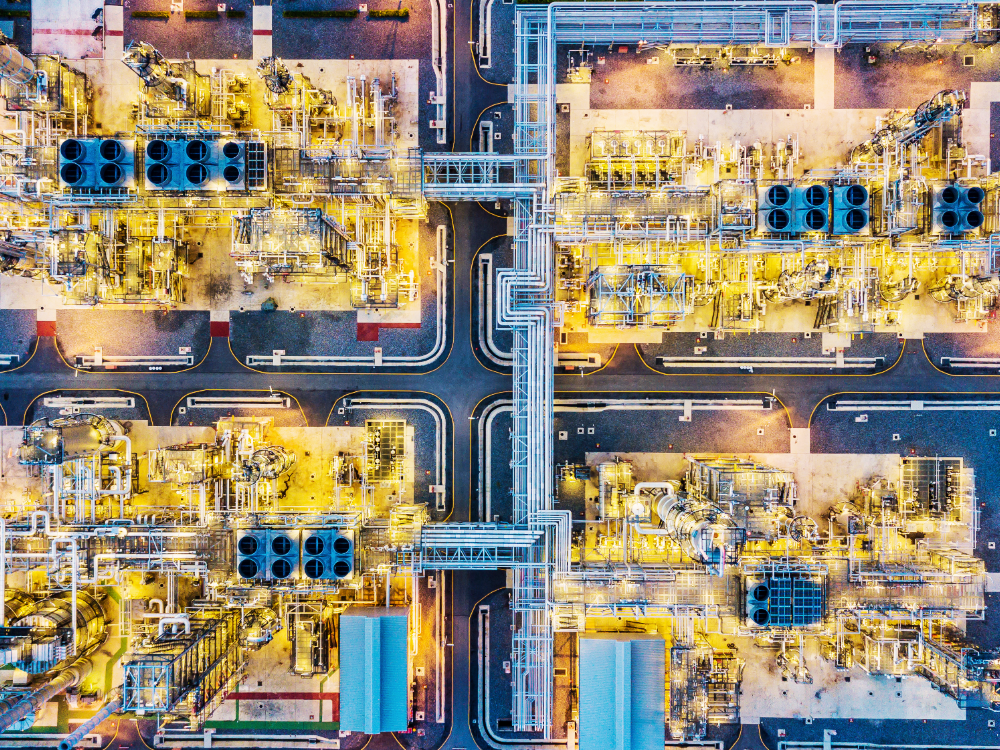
point(830, 695)
point(800, 440)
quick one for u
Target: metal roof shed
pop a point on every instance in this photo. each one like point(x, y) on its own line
point(622, 691)
point(374, 670)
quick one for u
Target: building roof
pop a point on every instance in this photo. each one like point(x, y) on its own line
point(374, 670)
point(622, 691)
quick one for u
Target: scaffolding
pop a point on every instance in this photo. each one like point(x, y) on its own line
point(638, 296)
point(187, 669)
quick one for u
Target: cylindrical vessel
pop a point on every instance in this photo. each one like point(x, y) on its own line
point(13, 710)
point(56, 612)
point(74, 737)
point(14, 66)
point(17, 604)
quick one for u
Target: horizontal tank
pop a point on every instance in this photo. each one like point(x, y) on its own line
point(56, 614)
point(16, 604)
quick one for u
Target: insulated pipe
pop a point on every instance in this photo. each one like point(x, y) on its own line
point(14, 66)
point(16, 708)
point(73, 738)
point(668, 487)
point(173, 620)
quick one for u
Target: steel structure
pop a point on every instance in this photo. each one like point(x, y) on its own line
point(526, 291)
point(717, 554)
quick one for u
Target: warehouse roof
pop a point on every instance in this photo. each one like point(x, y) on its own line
point(622, 691)
point(374, 673)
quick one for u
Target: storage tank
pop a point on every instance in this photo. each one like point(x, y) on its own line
point(14, 66)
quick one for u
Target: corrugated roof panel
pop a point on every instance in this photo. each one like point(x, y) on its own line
point(395, 683)
point(622, 692)
point(374, 670)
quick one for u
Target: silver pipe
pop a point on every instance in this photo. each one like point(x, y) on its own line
point(16, 708)
point(73, 738)
point(14, 66)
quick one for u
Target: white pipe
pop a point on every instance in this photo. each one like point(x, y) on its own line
point(174, 620)
point(669, 492)
point(668, 486)
point(159, 602)
point(649, 530)
point(3, 553)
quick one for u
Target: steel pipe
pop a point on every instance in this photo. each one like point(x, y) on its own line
point(14, 709)
point(14, 66)
point(74, 737)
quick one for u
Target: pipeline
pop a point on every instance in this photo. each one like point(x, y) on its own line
point(14, 66)
point(174, 621)
point(74, 737)
point(14, 709)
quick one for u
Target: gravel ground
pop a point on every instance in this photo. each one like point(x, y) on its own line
point(904, 79)
point(502, 258)
point(18, 333)
point(502, 41)
point(198, 38)
point(984, 344)
point(501, 472)
point(927, 433)
point(502, 117)
point(132, 332)
point(986, 632)
point(323, 333)
point(891, 733)
point(626, 81)
point(765, 343)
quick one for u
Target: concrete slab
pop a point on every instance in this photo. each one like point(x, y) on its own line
point(830, 695)
point(824, 60)
point(625, 336)
point(66, 28)
point(262, 31)
point(114, 34)
point(800, 440)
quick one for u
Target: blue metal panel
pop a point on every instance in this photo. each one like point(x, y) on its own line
point(648, 693)
point(622, 692)
point(597, 694)
point(352, 673)
point(395, 684)
point(374, 677)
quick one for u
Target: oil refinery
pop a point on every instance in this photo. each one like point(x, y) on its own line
point(663, 414)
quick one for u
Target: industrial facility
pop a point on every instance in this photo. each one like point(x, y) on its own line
point(290, 457)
